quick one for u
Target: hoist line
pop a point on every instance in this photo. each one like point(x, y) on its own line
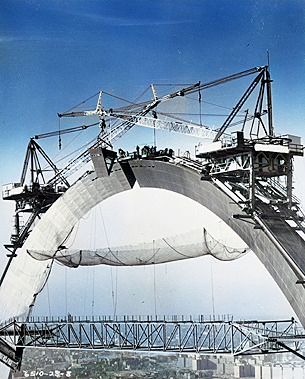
point(93, 237)
point(41, 288)
point(155, 290)
point(204, 232)
point(130, 107)
point(73, 152)
point(200, 106)
point(110, 95)
point(66, 291)
point(107, 240)
point(116, 258)
point(93, 289)
point(113, 290)
point(119, 123)
point(86, 290)
point(59, 136)
point(49, 302)
point(212, 289)
point(77, 150)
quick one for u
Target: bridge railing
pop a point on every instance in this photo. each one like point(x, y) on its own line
point(124, 318)
point(233, 337)
point(150, 333)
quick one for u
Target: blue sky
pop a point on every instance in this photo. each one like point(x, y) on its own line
point(54, 54)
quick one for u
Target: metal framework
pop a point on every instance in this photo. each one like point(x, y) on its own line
point(36, 197)
point(151, 334)
point(31, 199)
point(250, 171)
point(144, 114)
point(175, 126)
point(257, 174)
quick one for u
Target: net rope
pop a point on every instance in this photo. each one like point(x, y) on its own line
point(183, 246)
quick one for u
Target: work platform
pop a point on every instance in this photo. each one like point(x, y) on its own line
point(154, 334)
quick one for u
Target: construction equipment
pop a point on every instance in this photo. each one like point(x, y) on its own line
point(145, 114)
point(40, 193)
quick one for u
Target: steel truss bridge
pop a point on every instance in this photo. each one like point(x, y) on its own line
point(153, 334)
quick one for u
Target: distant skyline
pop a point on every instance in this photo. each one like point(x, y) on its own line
point(57, 53)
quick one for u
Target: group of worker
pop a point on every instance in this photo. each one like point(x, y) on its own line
point(147, 152)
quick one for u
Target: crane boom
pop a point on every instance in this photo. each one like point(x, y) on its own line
point(237, 108)
point(64, 131)
point(171, 126)
point(136, 113)
point(129, 119)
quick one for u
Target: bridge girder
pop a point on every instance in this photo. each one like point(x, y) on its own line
point(153, 334)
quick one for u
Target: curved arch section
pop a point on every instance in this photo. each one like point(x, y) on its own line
point(186, 181)
point(27, 276)
point(55, 225)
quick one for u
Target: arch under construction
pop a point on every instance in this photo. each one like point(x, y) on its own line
point(244, 178)
point(278, 246)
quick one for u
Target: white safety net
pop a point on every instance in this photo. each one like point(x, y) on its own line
point(187, 245)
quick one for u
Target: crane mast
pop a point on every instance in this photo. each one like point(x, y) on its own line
point(138, 114)
point(129, 120)
point(255, 160)
point(144, 114)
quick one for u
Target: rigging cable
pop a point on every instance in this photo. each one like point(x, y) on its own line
point(49, 303)
point(155, 142)
point(79, 104)
point(199, 98)
point(212, 278)
point(59, 136)
point(155, 288)
point(76, 150)
point(75, 229)
point(66, 291)
point(86, 288)
point(73, 153)
point(93, 271)
point(48, 273)
point(212, 290)
point(113, 289)
point(93, 289)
